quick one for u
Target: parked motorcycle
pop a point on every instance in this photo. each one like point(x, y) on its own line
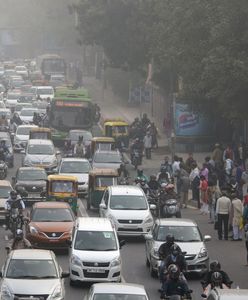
point(3, 170)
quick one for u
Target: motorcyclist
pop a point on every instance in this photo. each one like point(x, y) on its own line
point(216, 282)
point(3, 150)
point(16, 119)
point(3, 121)
point(36, 119)
point(143, 185)
point(14, 201)
point(137, 145)
point(215, 266)
point(167, 192)
point(153, 183)
point(141, 175)
point(19, 242)
point(79, 148)
point(166, 167)
point(174, 285)
point(176, 257)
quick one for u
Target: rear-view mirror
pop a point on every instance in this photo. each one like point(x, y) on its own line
point(152, 206)
point(102, 206)
point(207, 238)
point(148, 237)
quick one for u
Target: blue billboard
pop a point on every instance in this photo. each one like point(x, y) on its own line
point(189, 123)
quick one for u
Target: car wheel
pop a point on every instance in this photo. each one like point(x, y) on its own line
point(152, 271)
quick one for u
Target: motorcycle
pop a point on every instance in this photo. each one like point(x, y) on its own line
point(153, 198)
point(15, 221)
point(171, 209)
point(3, 170)
point(136, 159)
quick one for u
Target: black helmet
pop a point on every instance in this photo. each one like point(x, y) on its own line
point(13, 194)
point(170, 238)
point(153, 177)
point(173, 271)
point(215, 265)
point(216, 278)
point(175, 250)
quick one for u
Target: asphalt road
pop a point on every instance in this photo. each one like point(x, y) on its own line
point(230, 254)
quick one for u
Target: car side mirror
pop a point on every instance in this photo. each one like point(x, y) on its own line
point(122, 243)
point(65, 274)
point(152, 206)
point(58, 153)
point(148, 237)
point(102, 206)
point(207, 238)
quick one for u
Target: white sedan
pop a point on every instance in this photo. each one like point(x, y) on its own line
point(27, 114)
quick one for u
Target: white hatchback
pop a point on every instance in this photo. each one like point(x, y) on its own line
point(22, 136)
point(128, 209)
point(45, 92)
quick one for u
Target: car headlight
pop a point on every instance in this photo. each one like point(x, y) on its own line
point(57, 293)
point(33, 230)
point(6, 293)
point(116, 262)
point(203, 253)
point(76, 261)
point(149, 220)
point(154, 253)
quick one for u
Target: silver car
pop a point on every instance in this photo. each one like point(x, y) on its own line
point(32, 274)
point(187, 236)
point(41, 153)
point(107, 159)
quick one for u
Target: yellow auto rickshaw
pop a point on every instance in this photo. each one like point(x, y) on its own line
point(102, 143)
point(63, 188)
point(117, 129)
point(40, 133)
point(99, 180)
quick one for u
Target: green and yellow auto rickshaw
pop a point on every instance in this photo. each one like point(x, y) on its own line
point(102, 143)
point(119, 130)
point(63, 188)
point(40, 133)
point(99, 180)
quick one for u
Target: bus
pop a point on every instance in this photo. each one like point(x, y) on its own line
point(70, 109)
point(51, 64)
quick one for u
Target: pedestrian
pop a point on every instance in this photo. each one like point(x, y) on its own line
point(223, 205)
point(148, 144)
point(236, 216)
point(245, 222)
point(228, 165)
point(189, 161)
point(184, 182)
point(204, 195)
point(244, 182)
point(175, 171)
point(194, 178)
point(213, 195)
point(217, 155)
point(154, 134)
point(204, 171)
point(228, 153)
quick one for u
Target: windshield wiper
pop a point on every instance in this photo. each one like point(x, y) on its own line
point(192, 241)
point(47, 277)
point(109, 249)
point(26, 276)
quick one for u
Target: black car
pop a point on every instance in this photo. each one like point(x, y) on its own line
point(30, 182)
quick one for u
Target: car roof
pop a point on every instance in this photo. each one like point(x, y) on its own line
point(5, 183)
point(79, 130)
point(51, 204)
point(31, 254)
point(94, 224)
point(176, 222)
point(31, 169)
point(119, 288)
point(126, 189)
point(30, 108)
point(110, 152)
point(68, 159)
point(44, 87)
point(40, 142)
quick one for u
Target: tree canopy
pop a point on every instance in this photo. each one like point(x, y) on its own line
point(202, 42)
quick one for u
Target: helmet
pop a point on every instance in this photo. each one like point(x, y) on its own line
point(170, 238)
point(169, 187)
point(19, 234)
point(215, 265)
point(153, 177)
point(142, 181)
point(175, 250)
point(216, 278)
point(13, 194)
point(163, 185)
point(173, 271)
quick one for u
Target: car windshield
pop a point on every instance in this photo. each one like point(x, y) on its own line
point(27, 112)
point(180, 233)
point(76, 134)
point(111, 296)
point(52, 215)
point(75, 167)
point(13, 96)
point(31, 175)
point(25, 99)
point(31, 268)
point(7, 141)
point(41, 149)
point(23, 130)
point(105, 181)
point(107, 157)
point(5, 191)
point(44, 91)
point(95, 241)
point(128, 202)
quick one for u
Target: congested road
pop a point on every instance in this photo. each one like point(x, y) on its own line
point(230, 254)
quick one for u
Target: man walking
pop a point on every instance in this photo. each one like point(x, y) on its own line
point(148, 145)
point(184, 183)
point(223, 206)
point(195, 183)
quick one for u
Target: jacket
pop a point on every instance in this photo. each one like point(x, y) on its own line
point(223, 205)
point(236, 211)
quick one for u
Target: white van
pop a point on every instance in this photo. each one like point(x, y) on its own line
point(95, 252)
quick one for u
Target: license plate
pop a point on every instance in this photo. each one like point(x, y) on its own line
point(95, 270)
point(33, 195)
point(130, 226)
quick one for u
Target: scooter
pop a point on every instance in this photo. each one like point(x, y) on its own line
point(3, 170)
point(136, 159)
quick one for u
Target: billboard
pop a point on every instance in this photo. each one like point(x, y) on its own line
point(141, 94)
point(189, 123)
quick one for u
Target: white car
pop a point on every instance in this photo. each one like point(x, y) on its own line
point(106, 159)
point(32, 274)
point(187, 236)
point(22, 136)
point(228, 294)
point(122, 291)
point(27, 113)
point(41, 153)
point(128, 209)
point(20, 106)
point(45, 92)
point(12, 99)
point(5, 189)
point(22, 70)
point(78, 167)
point(95, 252)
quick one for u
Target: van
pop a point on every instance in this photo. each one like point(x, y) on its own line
point(95, 252)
